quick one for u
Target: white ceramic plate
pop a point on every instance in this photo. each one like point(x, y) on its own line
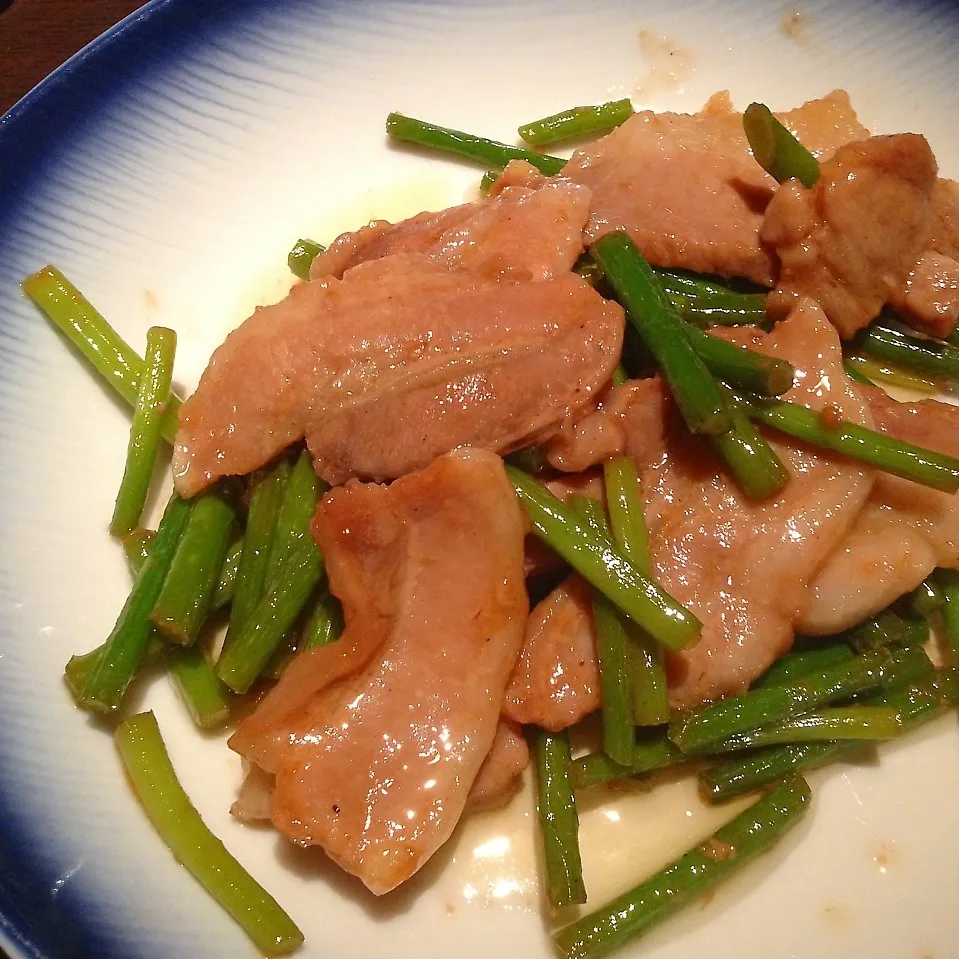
point(167, 169)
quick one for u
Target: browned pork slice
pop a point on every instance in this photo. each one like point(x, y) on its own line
point(929, 301)
point(505, 403)
point(687, 188)
point(930, 298)
point(904, 531)
point(628, 419)
point(556, 679)
point(741, 567)
point(376, 766)
point(499, 776)
point(393, 326)
point(517, 233)
point(850, 242)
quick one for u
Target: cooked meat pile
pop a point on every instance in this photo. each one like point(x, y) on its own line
point(419, 353)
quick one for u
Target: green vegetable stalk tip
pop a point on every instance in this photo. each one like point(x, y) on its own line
point(576, 122)
point(100, 345)
point(180, 827)
point(776, 150)
point(489, 153)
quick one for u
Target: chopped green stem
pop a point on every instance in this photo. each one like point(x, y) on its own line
point(907, 665)
point(558, 819)
point(946, 684)
point(867, 446)
point(79, 668)
point(136, 547)
point(576, 122)
point(649, 753)
point(612, 647)
point(193, 845)
point(873, 371)
point(489, 153)
point(756, 466)
point(818, 655)
point(226, 584)
point(246, 657)
point(746, 774)
point(927, 597)
point(886, 340)
point(627, 520)
point(251, 577)
point(650, 701)
point(634, 913)
point(704, 729)
point(776, 150)
point(326, 623)
point(301, 257)
point(184, 602)
point(206, 698)
point(707, 302)
point(283, 656)
point(915, 702)
point(740, 367)
point(620, 376)
point(594, 558)
point(697, 394)
point(647, 671)
point(841, 722)
point(856, 371)
point(486, 183)
point(152, 395)
point(303, 491)
point(949, 582)
point(886, 629)
point(101, 345)
point(126, 645)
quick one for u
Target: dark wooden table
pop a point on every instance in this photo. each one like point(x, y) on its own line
point(38, 35)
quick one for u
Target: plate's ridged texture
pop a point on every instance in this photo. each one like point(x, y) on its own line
point(167, 170)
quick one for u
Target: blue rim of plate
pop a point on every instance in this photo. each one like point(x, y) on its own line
point(38, 919)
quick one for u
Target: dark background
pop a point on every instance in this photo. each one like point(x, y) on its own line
point(38, 35)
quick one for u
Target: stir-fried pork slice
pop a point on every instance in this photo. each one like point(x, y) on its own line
point(556, 679)
point(509, 401)
point(499, 776)
point(393, 326)
point(629, 419)
point(930, 299)
point(850, 242)
point(517, 233)
point(377, 766)
point(497, 779)
point(903, 533)
point(687, 188)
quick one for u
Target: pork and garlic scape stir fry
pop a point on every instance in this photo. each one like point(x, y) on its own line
point(605, 440)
